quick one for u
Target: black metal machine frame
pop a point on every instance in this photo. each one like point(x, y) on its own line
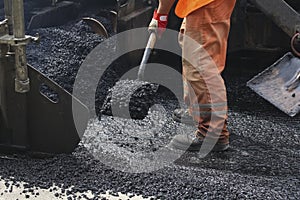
point(29, 119)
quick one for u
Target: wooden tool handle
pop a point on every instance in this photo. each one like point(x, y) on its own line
point(151, 41)
point(147, 52)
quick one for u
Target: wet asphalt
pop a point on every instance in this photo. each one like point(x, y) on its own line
point(262, 162)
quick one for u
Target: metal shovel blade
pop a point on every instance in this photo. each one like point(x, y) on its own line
point(280, 84)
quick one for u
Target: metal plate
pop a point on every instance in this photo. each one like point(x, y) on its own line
point(51, 126)
point(271, 84)
point(57, 15)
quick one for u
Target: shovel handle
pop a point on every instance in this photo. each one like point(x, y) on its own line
point(147, 52)
point(151, 41)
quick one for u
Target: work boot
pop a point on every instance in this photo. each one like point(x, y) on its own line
point(187, 143)
point(183, 116)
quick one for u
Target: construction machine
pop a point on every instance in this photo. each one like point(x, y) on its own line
point(36, 113)
point(29, 119)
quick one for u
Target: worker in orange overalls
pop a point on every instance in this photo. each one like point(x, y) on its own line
point(207, 23)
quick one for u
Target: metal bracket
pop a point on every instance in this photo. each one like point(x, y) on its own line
point(7, 39)
point(22, 86)
point(4, 27)
point(53, 3)
point(294, 82)
point(11, 40)
point(297, 30)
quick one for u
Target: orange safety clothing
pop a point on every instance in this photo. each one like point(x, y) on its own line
point(204, 88)
point(185, 7)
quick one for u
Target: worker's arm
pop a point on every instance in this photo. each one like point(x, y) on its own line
point(165, 6)
point(159, 21)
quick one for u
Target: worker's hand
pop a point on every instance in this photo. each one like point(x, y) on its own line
point(158, 23)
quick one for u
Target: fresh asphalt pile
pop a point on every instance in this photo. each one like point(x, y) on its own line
point(61, 51)
point(263, 161)
point(130, 95)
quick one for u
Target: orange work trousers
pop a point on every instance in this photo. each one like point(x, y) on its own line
point(203, 37)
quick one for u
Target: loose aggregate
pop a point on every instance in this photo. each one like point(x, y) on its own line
point(130, 95)
point(262, 163)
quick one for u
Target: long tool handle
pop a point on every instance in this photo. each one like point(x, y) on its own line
point(147, 52)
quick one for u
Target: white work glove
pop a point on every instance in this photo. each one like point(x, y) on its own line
point(158, 23)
